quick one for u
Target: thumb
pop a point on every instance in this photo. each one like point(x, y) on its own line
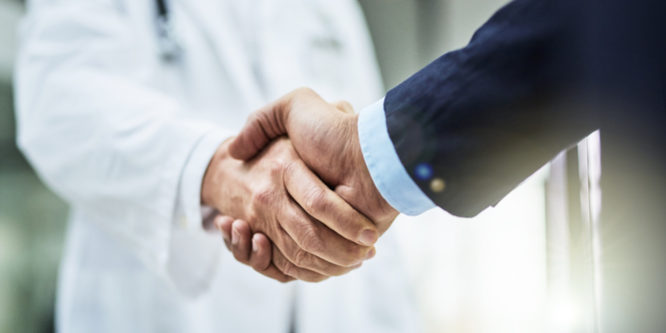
point(344, 106)
point(261, 128)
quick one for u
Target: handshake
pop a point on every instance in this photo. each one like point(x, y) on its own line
point(295, 198)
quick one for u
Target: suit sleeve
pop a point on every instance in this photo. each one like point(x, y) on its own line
point(484, 118)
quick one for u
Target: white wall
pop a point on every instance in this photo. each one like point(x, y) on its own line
point(410, 34)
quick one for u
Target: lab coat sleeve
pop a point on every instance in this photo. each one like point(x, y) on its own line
point(104, 137)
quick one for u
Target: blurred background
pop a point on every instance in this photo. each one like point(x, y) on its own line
point(32, 219)
point(507, 270)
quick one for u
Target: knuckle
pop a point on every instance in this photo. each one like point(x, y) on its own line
point(261, 119)
point(302, 258)
point(286, 267)
point(304, 91)
point(276, 167)
point(261, 116)
point(344, 105)
point(291, 172)
point(254, 117)
point(291, 168)
point(315, 200)
point(254, 216)
point(355, 254)
point(335, 270)
point(339, 270)
point(289, 269)
point(263, 196)
point(350, 223)
point(311, 241)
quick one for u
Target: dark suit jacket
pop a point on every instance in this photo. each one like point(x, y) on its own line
point(535, 79)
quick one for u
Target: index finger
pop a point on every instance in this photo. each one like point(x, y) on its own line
point(261, 256)
point(323, 204)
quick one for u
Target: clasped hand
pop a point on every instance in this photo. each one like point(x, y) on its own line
point(296, 200)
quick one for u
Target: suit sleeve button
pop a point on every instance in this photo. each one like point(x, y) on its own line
point(437, 185)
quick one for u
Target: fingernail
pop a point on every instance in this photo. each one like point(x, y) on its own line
point(235, 235)
point(371, 254)
point(368, 237)
point(255, 244)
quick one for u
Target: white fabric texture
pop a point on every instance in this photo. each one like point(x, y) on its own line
point(125, 139)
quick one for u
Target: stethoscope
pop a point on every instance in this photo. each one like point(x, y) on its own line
point(171, 51)
point(169, 48)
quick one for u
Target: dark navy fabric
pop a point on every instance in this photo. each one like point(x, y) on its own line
point(487, 116)
point(534, 80)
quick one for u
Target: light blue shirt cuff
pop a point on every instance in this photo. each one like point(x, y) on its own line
point(386, 169)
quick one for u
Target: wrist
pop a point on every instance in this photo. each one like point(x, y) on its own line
point(385, 166)
point(354, 149)
point(213, 178)
point(383, 211)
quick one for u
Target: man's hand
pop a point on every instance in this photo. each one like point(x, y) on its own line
point(326, 138)
point(315, 233)
point(252, 250)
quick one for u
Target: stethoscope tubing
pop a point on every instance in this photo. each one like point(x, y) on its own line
point(169, 47)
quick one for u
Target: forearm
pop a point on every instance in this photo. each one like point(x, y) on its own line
point(225, 186)
point(485, 117)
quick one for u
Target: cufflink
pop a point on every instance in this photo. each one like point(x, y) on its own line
point(423, 171)
point(437, 185)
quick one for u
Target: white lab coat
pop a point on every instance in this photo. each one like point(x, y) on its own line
point(123, 136)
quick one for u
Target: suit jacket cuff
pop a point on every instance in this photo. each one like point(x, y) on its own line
point(386, 169)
